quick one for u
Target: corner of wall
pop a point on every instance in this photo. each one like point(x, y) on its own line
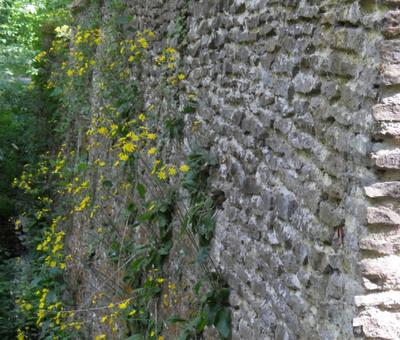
point(378, 309)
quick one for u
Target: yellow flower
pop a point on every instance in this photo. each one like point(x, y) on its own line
point(160, 337)
point(123, 305)
point(131, 58)
point(70, 73)
point(20, 335)
point(160, 280)
point(103, 131)
point(83, 204)
point(128, 147)
point(161, 59)
point(123, 156)
point(100, 337)
point(152, 151)
point(132, 313)
point(162, 175)
point(133, 136)
point(172, 171)
point(152, 136)
point(184, 168)
point(104, 319)
point(111, 305)
point(143, 42)
point(181, 76)
point(170, 50)
point(142, 117)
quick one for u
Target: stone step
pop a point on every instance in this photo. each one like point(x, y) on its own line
point(374, 323)
point(387, 300)
point(387, 159)
point(387, 243)
point(381, 273)
point(382, 216)
point(383, 189)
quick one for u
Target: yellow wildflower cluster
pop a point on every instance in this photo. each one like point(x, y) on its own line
point(53, 244)
point(135, 49)
point(40, 57)
point(25, 181)
point(81, 56)
point(89, 37)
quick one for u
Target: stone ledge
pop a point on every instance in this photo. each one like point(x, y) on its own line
point(390, 300)
point(388, 129)
point(387, 111)
point(382, 215)
point(387, 159)
point(378, 324)
point(384, 189)
point(381, 273)
point(387, 243)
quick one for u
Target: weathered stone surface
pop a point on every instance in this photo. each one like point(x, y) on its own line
point(389, 129)
point(382, 215)
point(387, 159)
point(376, 324)
point(390, 51)
point(389, 299)
point(391, 24)
point(387, 243)
point(390, 74)
point(384, 189)
point(388, 110)
point(383, 272)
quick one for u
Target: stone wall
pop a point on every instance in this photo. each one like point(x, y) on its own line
point(287, 93)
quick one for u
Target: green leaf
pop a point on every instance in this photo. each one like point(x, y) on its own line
point(223, 322)
point(123, 20)
point(141, 190)
point(136, 337)
point(107, 184)
point(189, 109)
point(175, 319)
point(202, 255)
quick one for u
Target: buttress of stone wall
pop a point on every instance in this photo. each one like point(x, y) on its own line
point(379, 315)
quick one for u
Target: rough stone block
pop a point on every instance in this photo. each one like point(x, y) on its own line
point(390, 299)
point(384, 189)
point(390, 51)
point(387, 159)
point(383, 272)
point(387, 243)
point(390, 74)
point(382, 215)
point(376, 324)
point(387, 111)
point(305, 83)
point(389, 129)
point(391, 24)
